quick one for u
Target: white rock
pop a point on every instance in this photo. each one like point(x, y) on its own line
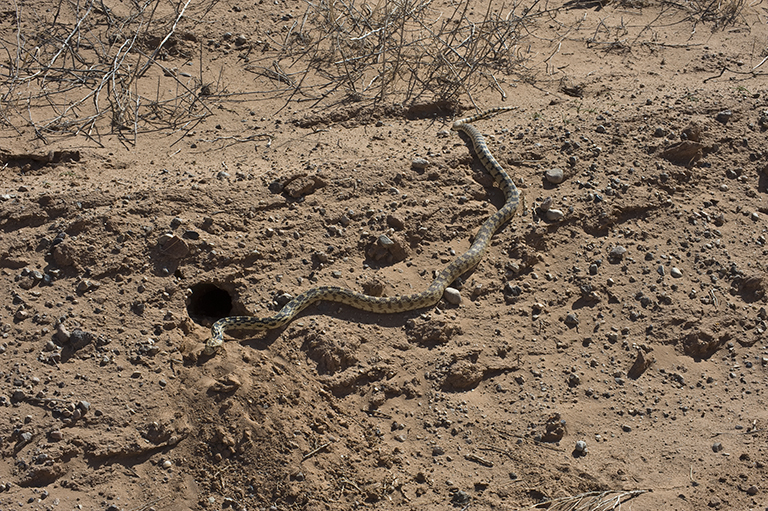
point(452, 296)
point(554, 215)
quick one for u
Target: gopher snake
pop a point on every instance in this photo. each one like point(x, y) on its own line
point(400, 303)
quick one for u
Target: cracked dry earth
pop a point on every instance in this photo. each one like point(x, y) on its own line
point(615, 344)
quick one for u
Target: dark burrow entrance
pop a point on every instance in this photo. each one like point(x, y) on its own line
point(208, 302)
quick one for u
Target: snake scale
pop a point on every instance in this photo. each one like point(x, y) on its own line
point(427, 298)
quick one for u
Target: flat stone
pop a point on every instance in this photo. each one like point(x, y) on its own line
point(554, 175)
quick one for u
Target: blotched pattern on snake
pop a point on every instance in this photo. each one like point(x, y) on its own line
point(427, 298)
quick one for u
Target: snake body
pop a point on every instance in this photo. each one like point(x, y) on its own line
point(401, 303)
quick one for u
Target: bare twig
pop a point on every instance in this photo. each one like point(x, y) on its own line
point(151, 60)
point(315, 451)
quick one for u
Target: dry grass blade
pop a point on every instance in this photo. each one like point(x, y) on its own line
point(591, 501)
point(719, 13)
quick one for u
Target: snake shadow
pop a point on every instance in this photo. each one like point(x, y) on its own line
point(309, 319)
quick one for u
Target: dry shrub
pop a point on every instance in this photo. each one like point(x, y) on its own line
point(75, 65)
point(400, 51)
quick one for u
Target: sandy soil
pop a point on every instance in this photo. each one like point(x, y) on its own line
point(635, 323)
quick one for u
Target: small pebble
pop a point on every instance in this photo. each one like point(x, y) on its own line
point(581, 446)
point(167, 464)
point(62, 334)
point(452, 296)
point(724, 116)
point(676, 273)
point(554, 175)
point(56, 435)
point(752, 490)
point(460, 498)
point(419, 163)
point(554, 215)
point(546, 204)
point(512, 289)
point(617, 252)
point(86, 285)
point(717, 447)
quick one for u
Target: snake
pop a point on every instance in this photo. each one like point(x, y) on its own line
point(398, 303)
